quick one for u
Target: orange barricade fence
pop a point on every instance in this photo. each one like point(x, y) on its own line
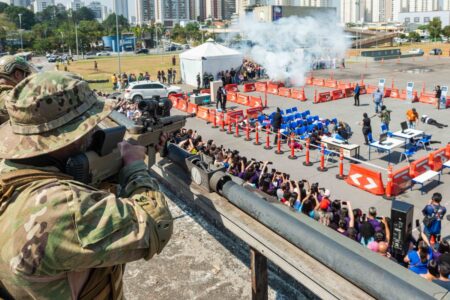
point(182, 104)
point(249, 87)
point(203, 113)
point(234, 116)
point(309, 80)
point(272, 88)
point(362, 90)
point(242, 99)
point(255, 101)
point(447, 151)
point(371, 88)
point(192, 108)
point(419, 166)
point(365, 179)
point(387, 92)
point(344, 85)
point(175, 96)
point(298, 94)
point(427, 97)
point(174, 101)
point(401, 181)
point(213, 113)
point(437, 158)
point(330, 83)
point(205, 91)
point(348, 92)
point(395, 93)
point(403, 94)
point(285, 92)
point(337, 94)
point(260, 86)
point(252, 113)
point(231, 96)
point(324, 97)
point(318, 81)
point(231, 88)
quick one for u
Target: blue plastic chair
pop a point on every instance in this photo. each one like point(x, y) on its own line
point(384, 128)
point(288, 111)
point(282, 112)
point(261, 119)
point(319, 126)
point(335, 121)
point(315, 118)
point(284, 119)
point(294, 109)
point(424, 141)
point(310, 128)
point(307, 112)
point(408, 153)
point(298, 116)
point(293, 125)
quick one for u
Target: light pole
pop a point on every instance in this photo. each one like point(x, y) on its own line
point(76, 38)
point(20, 30)
point(117, 35)
point(62, 40)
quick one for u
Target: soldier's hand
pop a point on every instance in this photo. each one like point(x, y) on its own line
point(131, 153)
point(162, 141)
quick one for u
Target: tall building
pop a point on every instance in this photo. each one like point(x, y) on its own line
point(76, 5)
point(145, 11)
point(23, 3)
point(171, 12)
point(446, 5)
point(229, 8)
point(121, 6)
point(100, 11)
point(214, 9)
point(40, 5)
point(197, 9)
point(352, 11)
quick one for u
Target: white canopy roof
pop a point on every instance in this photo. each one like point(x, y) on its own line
point(209, 49)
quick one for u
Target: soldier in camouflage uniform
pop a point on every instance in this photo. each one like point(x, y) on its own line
point(13, 69)
point(61, 239)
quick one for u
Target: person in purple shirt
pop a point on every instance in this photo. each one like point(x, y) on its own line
point(371, 218)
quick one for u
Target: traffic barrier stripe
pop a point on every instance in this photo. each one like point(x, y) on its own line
point(255, 101)
point(365, 179)
point(242, 99)
point(337, 94)
point(249, 87)
point(419, 166)
point(231, 88)
point(260, 86)
point(231, 96)
point(324, 97)
point(401, 181)
point(192, 108)
point(203, 113)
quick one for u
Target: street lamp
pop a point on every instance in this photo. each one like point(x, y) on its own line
point(20, 30)
point(117, 35)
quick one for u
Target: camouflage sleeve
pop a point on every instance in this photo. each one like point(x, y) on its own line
point(110, 230)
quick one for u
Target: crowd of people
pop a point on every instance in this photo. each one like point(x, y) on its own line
point(122, 81)
point(428, 256)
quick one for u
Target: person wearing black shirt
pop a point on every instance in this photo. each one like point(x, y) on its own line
point(427, 120)
point(276, 123)
point(366, 128)
point(219, 98)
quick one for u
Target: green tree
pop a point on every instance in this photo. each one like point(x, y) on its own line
point(435, 27)
point(89, 32)
point(84, 14)
point(28, 19)
point(414, 36)
point(110, 24)
point(3, 7)
point(52, 16)
point(446, 31)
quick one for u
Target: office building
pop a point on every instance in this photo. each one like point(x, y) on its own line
point(76, 5)
point(352, 11)
point(214, 9)
point(121, 7)
point(100, 11)
point(23, 3)
point(171, 12)
point(40, 5)
point(145, 11)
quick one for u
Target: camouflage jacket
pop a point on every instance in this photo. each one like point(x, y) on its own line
point(4, 89)
point(53, 232)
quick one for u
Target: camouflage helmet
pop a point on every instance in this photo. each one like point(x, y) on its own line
point(10, 63)
point(49, 111)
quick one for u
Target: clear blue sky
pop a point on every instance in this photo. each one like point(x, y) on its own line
point(109, 3)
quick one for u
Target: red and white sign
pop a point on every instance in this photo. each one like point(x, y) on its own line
point(365, 179)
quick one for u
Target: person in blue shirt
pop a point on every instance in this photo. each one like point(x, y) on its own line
point(418, 259)
point(357, 92)
point(433, 213)
point(377, 99)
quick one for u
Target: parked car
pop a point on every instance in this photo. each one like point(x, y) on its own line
point(141, 51)
point(435, 51)
point(52, 58)
point(416, 51)
point(147, 89)
point(103, 53)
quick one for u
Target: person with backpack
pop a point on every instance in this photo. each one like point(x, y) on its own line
point(433, 214)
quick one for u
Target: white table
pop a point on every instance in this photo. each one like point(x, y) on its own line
point(424, 177)
point(388, 145)
point(445, 165)
point(408, 134)
point(350, 150)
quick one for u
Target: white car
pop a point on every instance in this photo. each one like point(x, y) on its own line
point(416, 51)
point(103, 53)
point(147, 89)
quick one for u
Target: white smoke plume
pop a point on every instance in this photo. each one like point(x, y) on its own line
point(288, 47)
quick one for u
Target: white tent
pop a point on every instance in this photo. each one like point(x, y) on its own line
point(209, 57)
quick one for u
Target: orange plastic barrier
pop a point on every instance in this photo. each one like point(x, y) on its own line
point(371, 88)
point(343, 85)
point(419, 166)
point(253, 112)
point(205, 91)
point(387, 92)
point(174, 101)
point(395, 93)
point(362, 90)
point(255, 101)
point(231, 87)
point(234, 116)
point(285, 92)
point(337, 94)
point(272, 88)
point(260, 86)
point(437, 158)
point(249, 87)
point(242, 99)
point(192, 108)
point(427, 97)
point(330, 83)
point(231, 96)
point(318, 81)
point(348, 92)
point(447, 151)
point(365, 179)
point(324, 97)
point(309, 80)
point(298, 94)
point(401, 181)
point(203, 113)
point(182, 104)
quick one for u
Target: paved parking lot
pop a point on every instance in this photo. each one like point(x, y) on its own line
point(430, 71)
